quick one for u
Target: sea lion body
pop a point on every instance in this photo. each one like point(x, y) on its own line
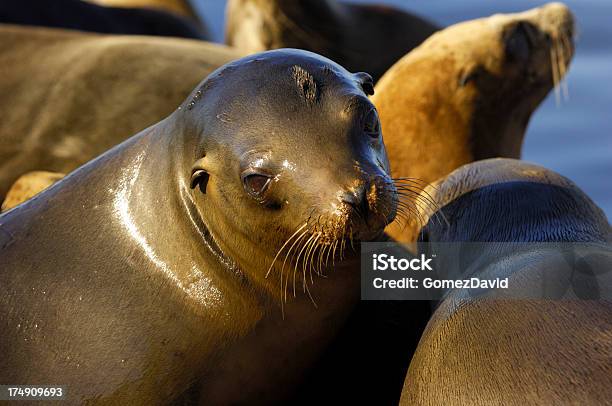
point(84, 16)
point(505, 347)
point(358, 36)
point(180, 7)
point(84, 99)
point(28, 186)
point(468, 92)
point(150, 274)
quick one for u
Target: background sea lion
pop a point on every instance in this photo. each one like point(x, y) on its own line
point(90, 92)
point(101, 80)
point(181, 7)
point(84, 16)
point(28, 186)
point(358, 36)
point(479, 350)
point(468, 93)
point(156, 272)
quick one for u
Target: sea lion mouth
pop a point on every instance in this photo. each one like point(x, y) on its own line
point(322, 239)
point(553, 31)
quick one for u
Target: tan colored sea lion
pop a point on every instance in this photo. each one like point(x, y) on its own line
point(182, 7)
point(499, 348)
point(468, 92)
point(159, 272)
point(361, 37)
point(91, 92)
point(28, 186)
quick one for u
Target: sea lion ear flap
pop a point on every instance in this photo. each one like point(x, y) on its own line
point(199, 175)
point(366, 82)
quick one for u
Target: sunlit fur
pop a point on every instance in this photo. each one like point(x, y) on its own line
point(468, 92)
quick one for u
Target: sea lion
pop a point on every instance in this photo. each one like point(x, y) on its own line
point(84, 98)
point(84, 16)
point(161, 270)
point(364, 37)
point(28, 186)
point(503, 350)
point(468, 92)
point(181, 7)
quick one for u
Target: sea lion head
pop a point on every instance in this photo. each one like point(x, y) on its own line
point(468, 92)
point(472, 87)
point(287, 150)
point(507, 200)
point(506, 65)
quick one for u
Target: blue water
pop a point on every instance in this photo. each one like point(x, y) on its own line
point(573, 138)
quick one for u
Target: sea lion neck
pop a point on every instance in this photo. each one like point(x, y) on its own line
point(169, 154)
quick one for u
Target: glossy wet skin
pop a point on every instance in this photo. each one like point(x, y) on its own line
point(300, 153)
point(142, 276)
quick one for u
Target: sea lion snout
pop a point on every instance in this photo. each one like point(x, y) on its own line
point(557, 17)
point(370, 206)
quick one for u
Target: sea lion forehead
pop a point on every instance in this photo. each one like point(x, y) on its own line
point(284, 60)
point(281, 72)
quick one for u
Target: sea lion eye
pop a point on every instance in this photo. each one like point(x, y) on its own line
point(256, 184)
point(372, 124)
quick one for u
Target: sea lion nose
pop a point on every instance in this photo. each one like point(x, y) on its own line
point(357, 199)
point(364, 197)
point(559, 18)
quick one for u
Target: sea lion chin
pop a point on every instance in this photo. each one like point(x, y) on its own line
point(468, 92)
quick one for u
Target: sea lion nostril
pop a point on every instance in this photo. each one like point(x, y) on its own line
point(357, 200)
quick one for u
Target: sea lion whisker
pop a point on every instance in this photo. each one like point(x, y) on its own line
point(334, 253)
point(400, 216)
point(419, 191)
point(343, 242)
point(315, 256)
point(431, 202)
point(415, 216)
point(421, 187)
point(305, 232)
point(434, 207)
point(297, 260)
point(436, 211)
point(284, 245)
point(308, 256)
point(562, 71)
point(307, 248)
point(555, 74)
point(310, 296)
point(311, 258)
point(413, 210)
point(329, 250)
point(320, 252)
point(415, 181)
point(408, 178)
